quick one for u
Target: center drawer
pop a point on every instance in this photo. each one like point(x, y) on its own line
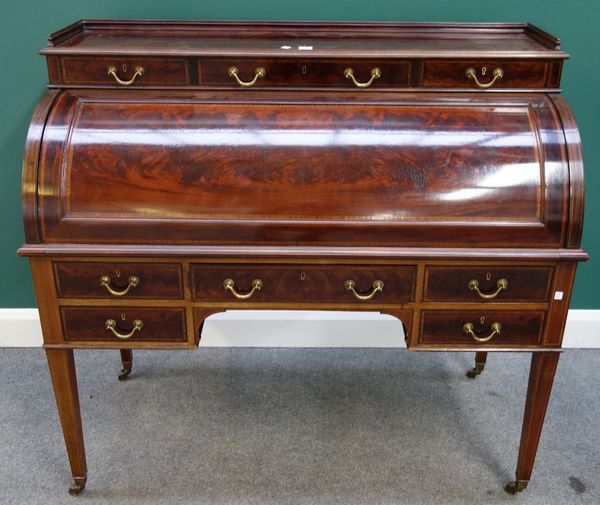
point(292, 283)
point(292, 72)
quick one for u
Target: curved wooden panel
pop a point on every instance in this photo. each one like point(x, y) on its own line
point(577, 185)
point(206, 170)
point(30, 166)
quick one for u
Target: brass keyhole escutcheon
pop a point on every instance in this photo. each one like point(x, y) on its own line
point(123, 317)
point(118, 273)
point(304, 69)
point(488, 276)
point(124, 67)
point(302, 276)
point(483, 70)
point(482, 320)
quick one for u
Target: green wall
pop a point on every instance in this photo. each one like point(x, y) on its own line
point(25, 25)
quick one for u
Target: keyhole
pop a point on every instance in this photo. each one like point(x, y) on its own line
point(124, 67)
point(482, 320)
point(488, 276)
point(483, 70)
point(304, 70)
point(123, 316)
point(302, 276)
point(118, 273)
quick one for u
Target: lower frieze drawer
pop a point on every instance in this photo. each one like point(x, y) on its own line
point(357, 284)
point(471, 328)
point(123, 324)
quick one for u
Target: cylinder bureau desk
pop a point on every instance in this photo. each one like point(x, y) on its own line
point(174, 170)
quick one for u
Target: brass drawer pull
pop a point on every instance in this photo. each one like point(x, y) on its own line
point(112, 70)
point(133, 281)
point(259, 72)
point(111, 325)
point(497, 74)
point(229, 285)
point(501, 285)
point(377, 288)
point(375, 74)
point(495, 327)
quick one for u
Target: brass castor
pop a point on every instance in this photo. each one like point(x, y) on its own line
point(516, 486)
point(476, 370)
point(78, 486)
point(124, 373)
point(480, 359)
point(127, 360)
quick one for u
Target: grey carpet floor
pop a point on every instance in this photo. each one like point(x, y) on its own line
point(298, 426)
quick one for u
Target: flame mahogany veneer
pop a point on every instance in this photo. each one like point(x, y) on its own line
point(178, 169)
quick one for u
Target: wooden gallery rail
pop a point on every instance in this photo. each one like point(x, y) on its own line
point(178, 169)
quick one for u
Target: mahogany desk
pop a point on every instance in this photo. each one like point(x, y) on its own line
point(178, 169)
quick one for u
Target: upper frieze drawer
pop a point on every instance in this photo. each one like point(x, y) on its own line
point(266, 73)
point(119, 71)
point(489, 74)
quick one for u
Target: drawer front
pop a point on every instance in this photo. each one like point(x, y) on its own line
point(292, 283)
point(91, 324)
point(485, 283)
point(453, 74)
point(118, 280)
point(92, 70)
point(517, 328)
point(304, 73)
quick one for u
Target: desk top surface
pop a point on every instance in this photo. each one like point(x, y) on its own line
point(305, 39)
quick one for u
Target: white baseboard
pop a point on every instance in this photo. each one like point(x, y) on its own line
point(582, 330)
point(21, 328)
